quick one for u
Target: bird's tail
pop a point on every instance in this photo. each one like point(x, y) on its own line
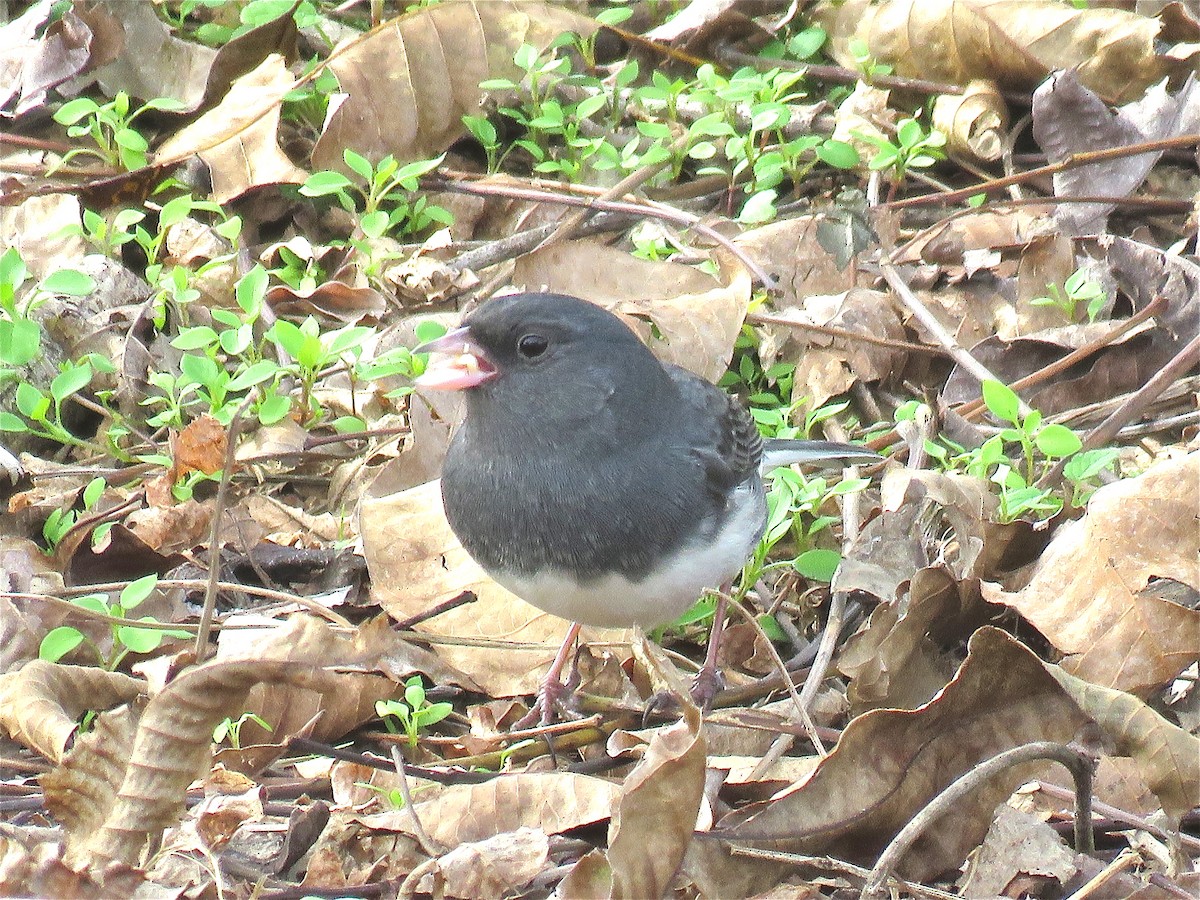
point(782, 452)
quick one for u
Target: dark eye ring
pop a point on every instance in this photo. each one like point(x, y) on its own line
point(531, 346)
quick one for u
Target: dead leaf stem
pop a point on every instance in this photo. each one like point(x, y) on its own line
point(1073, 162)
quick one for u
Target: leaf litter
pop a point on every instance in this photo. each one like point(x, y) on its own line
point(986, 599)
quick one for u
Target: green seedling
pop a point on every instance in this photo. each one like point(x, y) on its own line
point(412, 714)
point(1077, 289)
point(110, 126)
point(230, 729)
point(126, 639)
point(386, 192)
point(913, 148)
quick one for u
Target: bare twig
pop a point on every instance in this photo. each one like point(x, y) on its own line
point(214, 534)
point(1079, 763)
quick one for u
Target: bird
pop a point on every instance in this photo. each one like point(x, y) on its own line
point(594, 481)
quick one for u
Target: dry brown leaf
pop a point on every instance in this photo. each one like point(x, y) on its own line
point(200, 447)
point(416, 562)
point(1014, 42)
point(499, 866)
point(889, 764)
point(1168, 757)
point(24, 569)
point(42, 48)
point(127, 789)
point(903, 655)
point(788, 250)
point(40, 229)
point(974, 122)
point(698, 316)
point(31, 865)
point(1069, 119)
point(984, 229)
point(344, 700)
point(153, 62)
point(436, 57)
point(238, 139)
point(652, 826)
point(828, 366)
point(1017, 845)
point(1091, 593)
point(42, 703)
point(552, 802)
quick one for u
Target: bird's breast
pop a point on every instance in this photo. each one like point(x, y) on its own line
point(712, 558)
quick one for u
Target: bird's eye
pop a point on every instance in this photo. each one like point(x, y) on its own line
point(531, 346)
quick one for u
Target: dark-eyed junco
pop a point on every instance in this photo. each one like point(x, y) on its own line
point(592, 480)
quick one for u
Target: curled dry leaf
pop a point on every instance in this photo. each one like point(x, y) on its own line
point(339, 702)
point(499, 866)
point(200, 447)
point(904, 654)
point(788, 249)
point(1092, 593)
point(983, 229)
point(698, 317)
point(1017, 845)
point(890, 763)
point(974, 121)
point(239, 138)
point(1015, 43)
point(892, 547)
point(416, 563)
point(1069, 119)
point(42, 54)
point(437, 56)
point(825, 366)
point(552, 802)
point(1167, 756)
point(652, 826)
point(171, 748)
point(41, 704)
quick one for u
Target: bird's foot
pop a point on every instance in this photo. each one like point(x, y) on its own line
point(553, 700)
point(705, 687)
point(707, 684)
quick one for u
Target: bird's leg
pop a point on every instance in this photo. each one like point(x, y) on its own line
point(552, 691)
point(708, 682)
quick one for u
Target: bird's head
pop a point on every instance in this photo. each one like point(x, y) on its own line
point(529, 346)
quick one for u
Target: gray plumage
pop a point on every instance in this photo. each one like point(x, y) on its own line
point(592, 459)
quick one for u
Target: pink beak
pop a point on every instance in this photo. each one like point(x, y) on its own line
point(457, 362)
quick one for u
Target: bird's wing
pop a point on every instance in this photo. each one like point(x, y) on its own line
point(719, 431)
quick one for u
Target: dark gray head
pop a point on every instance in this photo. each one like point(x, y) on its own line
point(545, 358)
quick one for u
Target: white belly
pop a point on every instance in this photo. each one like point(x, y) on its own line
point(615, 601)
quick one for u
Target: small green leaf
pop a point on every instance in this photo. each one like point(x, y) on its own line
point(250, 290)
point(254, 374)
point(818, 565)
point(69, 382)
point(137, 591)
point(320, 184)
point(69, 282)
point(140, 640)
point(1002, 401)
point(1056, 441)
point(349, 425)
point(13, 423)
point(838, 154)
point(195, 338)
point(273, 408)
point(74, 110)
point(358, 164)
point(58, 642)
point(31, 402)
